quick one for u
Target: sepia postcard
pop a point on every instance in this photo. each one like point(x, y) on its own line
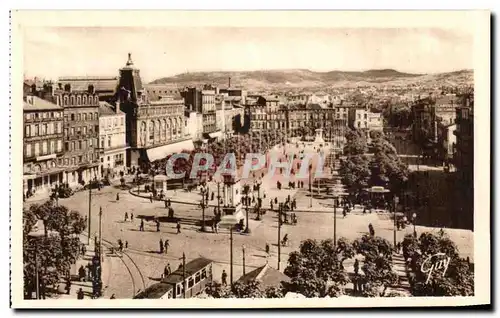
point(250, 159)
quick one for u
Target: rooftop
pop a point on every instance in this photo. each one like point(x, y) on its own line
point(82, 83)
point(154, 291)
point(266, 276)
point(191, 268)
point(34, 103)
point(106, 109)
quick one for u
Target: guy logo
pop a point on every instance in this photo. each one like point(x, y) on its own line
point(434, 264)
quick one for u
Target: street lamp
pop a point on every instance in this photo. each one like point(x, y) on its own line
point(310, 187)
point(36, 233)
point(258, 183)
point(246, 189)
point(395, 203)
point(203, 190)
point(280, 210)
point(413, 220)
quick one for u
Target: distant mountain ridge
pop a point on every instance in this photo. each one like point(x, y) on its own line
point(303, 78)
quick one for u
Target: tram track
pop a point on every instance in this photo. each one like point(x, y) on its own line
point(135, 290)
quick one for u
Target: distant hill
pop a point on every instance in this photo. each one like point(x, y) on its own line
point(302, 78)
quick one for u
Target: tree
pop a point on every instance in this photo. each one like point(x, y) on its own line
point(57, 249)
point(316, 270)
point(378, 274)
point(355, 172)
point(251, 289)
point(356, 143)
point(457, 280)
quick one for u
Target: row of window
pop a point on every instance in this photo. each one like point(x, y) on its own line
point(161, 110)
point(81, 159)
point(192, 281)
point(81, 116)
point(43, 115)
point(42, 129)
point(80, 100)
point(118, 159)
point(43, 148)
point(80, 131)
point(79, 144)
point(113, 122)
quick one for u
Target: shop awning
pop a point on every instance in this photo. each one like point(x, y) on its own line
point(163, 151)
point(216, 134)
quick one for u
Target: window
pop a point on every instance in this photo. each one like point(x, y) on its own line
point(204, 273)
point(121, 121)
point(78, 130)
point(66, 146)
point(37, 130)
point(72, 131)
point(44, 147)
point(28, 150)
point(197, 278)
point(79, 116)
point(27, 131)
point(109, 122)
point(115, 123)
point(96, 116)
point(72, 146)
point(90, 142)
point(52, 148)
point(65, 131)
point(37, 149)
point(90, 116)
point(84, 130)
point(190, 282)
point(72, 117)
point(96, 128)
point(179, 289)
point(80, 159)
point(84, 144)
point(102, 143)
point(108, 158)
point(79, 144)
point(109, 141)
point(73, 161)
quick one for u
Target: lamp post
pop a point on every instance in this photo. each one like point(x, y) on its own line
point(310, 187)
point(395, 203)
point(247, 226)
point(37, 232)
point(90, 210)
point(101, 258)
point(243, 249)
point(413, 220)
point(203, 190)
point(259, 201)
point(280, 209)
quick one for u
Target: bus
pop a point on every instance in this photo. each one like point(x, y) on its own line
point(197, 274)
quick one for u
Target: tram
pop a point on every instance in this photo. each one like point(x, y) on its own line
point(196, 275)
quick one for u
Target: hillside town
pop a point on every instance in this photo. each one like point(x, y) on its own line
point(103, 219)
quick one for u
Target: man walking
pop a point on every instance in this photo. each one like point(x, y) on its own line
point(224, 277)
point(151, 198)
point(178, 227)
point(161, 246)
point(141, 227)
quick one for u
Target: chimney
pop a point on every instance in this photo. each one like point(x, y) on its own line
point(229, 82)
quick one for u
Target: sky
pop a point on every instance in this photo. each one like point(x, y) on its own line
point(51, 52)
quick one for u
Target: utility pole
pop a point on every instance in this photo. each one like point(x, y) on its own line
point(184, 275)
point(335, 203)
point(310, 187)
point(244, 271)
point(279, 234)
point(100, 235)
point(218, 197)
point(90, 209)
point(231, 254)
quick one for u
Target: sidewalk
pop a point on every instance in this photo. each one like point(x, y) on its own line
point(86, 285)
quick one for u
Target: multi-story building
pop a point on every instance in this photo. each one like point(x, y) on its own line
point(103, 86)
point(81, 134)
point(203, 101)
point(43, 145)
point(112, 138)
point(464, 163)
point(365, 120)
point(156, 126)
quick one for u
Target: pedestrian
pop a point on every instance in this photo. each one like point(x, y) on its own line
point(178, 227)
point(126, 244)
point(81, 273)
point(275, 200)
point(79, 294)
point(68, 285)
point(157, 226)
point(126, 216)
point(166, 204)
point(141, 227)
point(212, 197)
point(112, 297)
point(117, 197)
point(167, 244)
point(356, 266)
point(168, 268)
point(84, 250)
point(216, 227)
point(271, 204)
point(120, 244)
point(131, 217)
point(169, 202)
point(224, 277)
point(268, 249)
point(161, 246)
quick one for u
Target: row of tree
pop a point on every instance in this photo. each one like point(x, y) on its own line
point(53, 252)
point(382, 167)
point(317, 269)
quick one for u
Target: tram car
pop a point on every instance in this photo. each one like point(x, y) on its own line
point(198, 273)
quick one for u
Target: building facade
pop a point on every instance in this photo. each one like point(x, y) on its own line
point(156, 125)
point(81, 135)
point(42, 146)
point(112, 139)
